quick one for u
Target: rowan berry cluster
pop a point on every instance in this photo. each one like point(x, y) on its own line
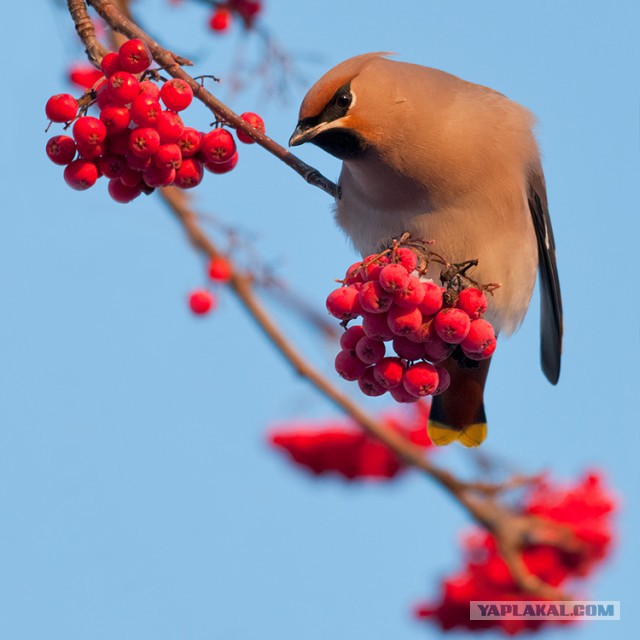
point(422, 322)
point(222, 16)
point(138, 141)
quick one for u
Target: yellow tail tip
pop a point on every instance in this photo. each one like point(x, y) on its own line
point(472, 435)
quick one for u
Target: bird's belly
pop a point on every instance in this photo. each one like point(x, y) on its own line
point(503, 243)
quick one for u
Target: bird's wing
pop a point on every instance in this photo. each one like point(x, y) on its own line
point(551, 301)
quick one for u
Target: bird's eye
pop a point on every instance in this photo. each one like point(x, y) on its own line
point(343, 101)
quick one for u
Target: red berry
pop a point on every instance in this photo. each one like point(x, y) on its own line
point(411, 295)
point(374, 299)
point(394, 277)
point(189, 174)
point(201, 301)
point(451, 325)
point(169, 126)
point(248, 10)
point(369, 385)
point(407, 258)
point(400, 394)
point(388, 372)
point(89, 131)
point(149, 88)
point(156, 176)
point(404, 321)
point(189, 142)
point(354, 273)
point(111, 165)
point(122, 193)
point(420, 379)
point(369, 350)
point(131, 177)
point(220, 20)
point(407, 349)
point(81, 174)
point(349, 339)
point(349, 366)
point(375, 326)
point(102, 94)
point(176, 94)
point(122, 87)
point(343, 303)
point(91, 152)
point(61, 149)
point(138, 163)
point(115, 117)
point(145, 110)
point(432, 301)
point(84, 75)
point(218, 145)
point(220, 269)
point(110, 64)
point(168, 156)
point(479, 337)
point(144, 142)
point(222, 167)
point(373, 265)
point(255, 121)
point(473, 302)
point(134, 56)
point(487, 352)
point(436, 349)
point(61, 108)
point(119, 142)
point(444, 380)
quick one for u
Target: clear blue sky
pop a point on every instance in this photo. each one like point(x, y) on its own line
point(137, 497)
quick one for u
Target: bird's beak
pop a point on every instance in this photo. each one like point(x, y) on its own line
point(304, 133)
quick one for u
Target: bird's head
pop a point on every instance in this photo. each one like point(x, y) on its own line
point(334, 114)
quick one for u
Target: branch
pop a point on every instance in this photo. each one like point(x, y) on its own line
point(172, 64)
point(86, 31)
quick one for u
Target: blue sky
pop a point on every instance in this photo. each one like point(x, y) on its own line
point(137, 496)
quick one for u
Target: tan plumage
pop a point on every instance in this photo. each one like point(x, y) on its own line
point(447, 160)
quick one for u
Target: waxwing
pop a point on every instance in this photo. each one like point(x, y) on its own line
point(446, 160)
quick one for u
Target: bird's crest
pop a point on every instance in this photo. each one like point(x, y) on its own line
point(323, 90)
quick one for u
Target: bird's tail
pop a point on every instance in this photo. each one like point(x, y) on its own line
point(458, 413)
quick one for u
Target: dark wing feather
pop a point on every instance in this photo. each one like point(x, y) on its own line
point(551, 301)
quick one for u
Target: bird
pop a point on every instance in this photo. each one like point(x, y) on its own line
point(426, 152)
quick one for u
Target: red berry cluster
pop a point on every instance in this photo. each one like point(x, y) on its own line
point(138, 141)
point(246, 10)
point(582, 510)
point(202, 301)
point(423, 325)
point(340, 447)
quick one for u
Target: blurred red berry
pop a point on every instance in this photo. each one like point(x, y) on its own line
point(220, 269)
point(201, 301)
point(84, 75)
point(220, 20)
